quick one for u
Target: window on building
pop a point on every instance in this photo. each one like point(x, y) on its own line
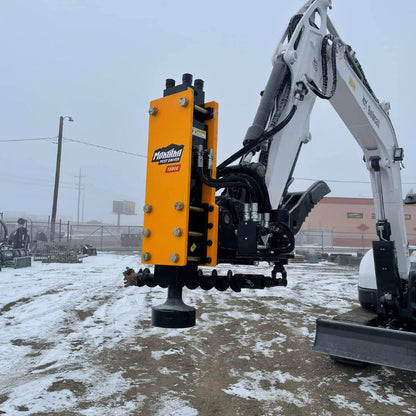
point(355, 215)
point(373, 216)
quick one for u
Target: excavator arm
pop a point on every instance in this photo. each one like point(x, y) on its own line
point(198, 213)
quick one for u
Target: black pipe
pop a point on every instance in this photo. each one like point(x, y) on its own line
point(278, 76)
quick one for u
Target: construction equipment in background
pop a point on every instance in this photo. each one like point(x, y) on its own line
point(14, 248)
point(255, 217)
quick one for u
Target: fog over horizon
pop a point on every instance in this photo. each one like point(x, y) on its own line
point(101, 63)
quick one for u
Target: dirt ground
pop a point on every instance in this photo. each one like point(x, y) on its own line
point(249, 354)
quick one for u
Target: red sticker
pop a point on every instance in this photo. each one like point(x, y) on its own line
point(172, 168)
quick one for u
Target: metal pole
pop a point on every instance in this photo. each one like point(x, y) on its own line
point(83, 205)
point(58, 168)
point(102, 236)
point(60, 230)
point(79, 194)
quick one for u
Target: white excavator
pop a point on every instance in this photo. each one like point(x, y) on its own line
point(198, 213)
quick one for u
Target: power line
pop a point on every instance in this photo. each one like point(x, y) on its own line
point(27, 140)
point(75, 141)
point(104, 147)
point(34, 181)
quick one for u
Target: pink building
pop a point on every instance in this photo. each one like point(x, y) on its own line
point(351, 221)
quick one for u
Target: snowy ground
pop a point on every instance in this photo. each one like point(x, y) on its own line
point(74, 341)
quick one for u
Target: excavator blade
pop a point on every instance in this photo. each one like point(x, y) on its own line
point(345, 340)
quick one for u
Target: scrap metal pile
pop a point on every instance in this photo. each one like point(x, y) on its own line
point(55, 252)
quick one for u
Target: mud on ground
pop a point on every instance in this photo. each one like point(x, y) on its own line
point(89, 349)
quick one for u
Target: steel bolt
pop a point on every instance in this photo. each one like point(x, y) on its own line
point(179, 206)
point(177, 232)
point(146, 232)
point(147, 208)
point(152, 111)
point(183, 102)
point(174, 257)
point(146, 256)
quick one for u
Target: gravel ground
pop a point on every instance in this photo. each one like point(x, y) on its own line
point(74, 341)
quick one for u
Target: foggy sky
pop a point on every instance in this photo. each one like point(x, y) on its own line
point(101, 62)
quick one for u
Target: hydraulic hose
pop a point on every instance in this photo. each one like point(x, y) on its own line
point(256, 181)
point(312, 85)
point(219, 183)
point(255, 186)
point(291, 243)
point(256, 142)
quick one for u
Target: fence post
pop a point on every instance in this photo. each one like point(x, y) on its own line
point(102, 236)
point(322, 241)
point(60, 230)
point(67, 234)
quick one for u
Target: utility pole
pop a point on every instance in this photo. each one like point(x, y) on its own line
point(79, 193)
point(57, 171)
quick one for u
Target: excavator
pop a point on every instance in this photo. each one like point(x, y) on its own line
point(200, 214)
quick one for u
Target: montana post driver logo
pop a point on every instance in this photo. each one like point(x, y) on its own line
point(168, 154)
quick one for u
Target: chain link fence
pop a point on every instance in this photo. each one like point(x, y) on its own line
point(113, 237)
point(100, 236)
point(324, 240)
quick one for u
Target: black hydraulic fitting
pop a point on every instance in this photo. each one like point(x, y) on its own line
point(170, 83)
point(199, 84)
point(187, 79)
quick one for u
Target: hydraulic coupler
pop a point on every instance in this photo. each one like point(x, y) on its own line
point(180, 229)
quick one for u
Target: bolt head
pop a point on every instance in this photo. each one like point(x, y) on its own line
point(183, 102)
point(147, 208)
point(179, 206)
point(146, 256)
point(152, 111)
point(174, 258)
point(177, 232)
point(146, 232)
